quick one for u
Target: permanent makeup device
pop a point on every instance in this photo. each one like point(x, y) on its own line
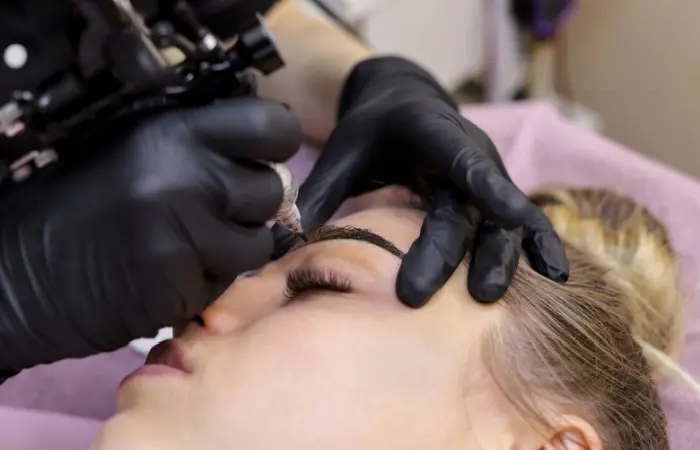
point(142, 58)
point(139, 75)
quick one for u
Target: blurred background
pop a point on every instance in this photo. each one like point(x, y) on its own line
point(629, 69)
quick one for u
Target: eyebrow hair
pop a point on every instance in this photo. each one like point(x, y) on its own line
point(334, 232)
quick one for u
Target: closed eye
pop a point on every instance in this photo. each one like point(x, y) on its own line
point(300, 281)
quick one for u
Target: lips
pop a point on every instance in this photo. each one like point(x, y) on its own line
point(165, 359)
point(168, 354)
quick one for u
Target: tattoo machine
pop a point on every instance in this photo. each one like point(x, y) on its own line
point(151, 56)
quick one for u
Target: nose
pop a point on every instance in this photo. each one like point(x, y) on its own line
point(245, 301)
point(214, 320)
point(220, 318)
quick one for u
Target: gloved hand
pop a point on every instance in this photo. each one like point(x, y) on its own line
point(398, 126)
point(144, 235)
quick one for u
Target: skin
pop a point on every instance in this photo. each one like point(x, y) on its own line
point(330, 370)
point(319, 58)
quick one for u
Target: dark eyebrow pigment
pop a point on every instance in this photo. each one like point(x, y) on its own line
point(333, 232)
point(286, 241)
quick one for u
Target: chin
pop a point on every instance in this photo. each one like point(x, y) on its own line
point(126, 431)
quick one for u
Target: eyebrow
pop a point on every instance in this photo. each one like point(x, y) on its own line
point(334, 232)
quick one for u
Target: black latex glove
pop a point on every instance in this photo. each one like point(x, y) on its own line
point(145, 235)
point(398, 126)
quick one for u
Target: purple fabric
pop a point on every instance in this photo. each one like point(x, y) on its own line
point(40, 430)
point(539, 148)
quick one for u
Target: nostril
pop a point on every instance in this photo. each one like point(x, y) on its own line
point(190, 326)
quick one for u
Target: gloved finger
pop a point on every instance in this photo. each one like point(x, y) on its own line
point(285, 240)
point(247, 128)
point(333, 177)
point(471, 167)
point(226, 250)
point(494, 261)
point(544, 249)
point(446, 235)
point(252, 194)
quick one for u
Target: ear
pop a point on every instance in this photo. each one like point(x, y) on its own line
point(574, 433)
point(568, 433)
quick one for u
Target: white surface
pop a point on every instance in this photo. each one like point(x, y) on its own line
point(587, 118)
point(15, 56)
point(144, 345)
point(354, 10)
point(578, 114)
point(504, 66)
point(445, 36)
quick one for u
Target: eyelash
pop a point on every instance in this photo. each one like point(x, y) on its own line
point(300, 281)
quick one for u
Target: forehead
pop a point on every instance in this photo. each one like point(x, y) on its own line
point(401, 226)
point(458, 320)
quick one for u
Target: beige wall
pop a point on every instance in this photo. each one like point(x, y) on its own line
point(637, 63)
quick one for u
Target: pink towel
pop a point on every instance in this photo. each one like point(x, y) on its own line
point(539, 148)
point(40, 430)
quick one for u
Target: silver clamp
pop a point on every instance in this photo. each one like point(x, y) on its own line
point(10, 119)
point(288, 215)
point(24, 167)
point(11, 124)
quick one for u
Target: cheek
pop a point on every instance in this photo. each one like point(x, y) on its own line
point(329, 375)
point(145, 429)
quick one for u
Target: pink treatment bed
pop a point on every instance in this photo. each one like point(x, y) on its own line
point(61, 406)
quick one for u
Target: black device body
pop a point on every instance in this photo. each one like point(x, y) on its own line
point(136, 57)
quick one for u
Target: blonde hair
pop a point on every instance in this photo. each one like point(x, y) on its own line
point(596, 346)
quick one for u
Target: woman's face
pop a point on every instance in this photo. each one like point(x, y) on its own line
point(341, 365)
